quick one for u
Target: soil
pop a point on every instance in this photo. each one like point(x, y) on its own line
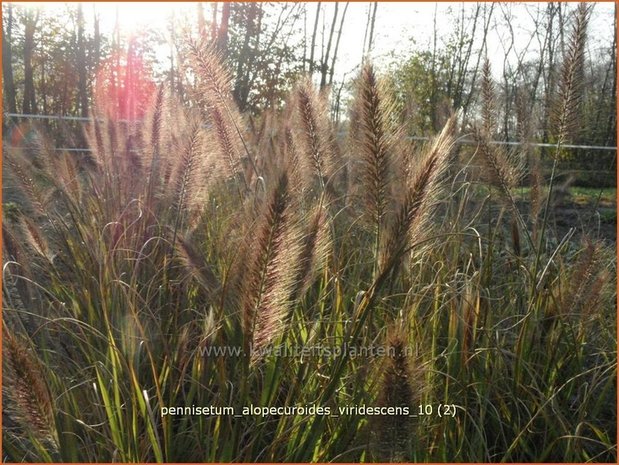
point(596, 219)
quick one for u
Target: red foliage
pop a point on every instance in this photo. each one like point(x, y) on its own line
point(124, 85)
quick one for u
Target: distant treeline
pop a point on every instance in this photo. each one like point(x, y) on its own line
point(60, 62)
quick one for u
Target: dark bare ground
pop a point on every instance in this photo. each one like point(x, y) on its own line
point(589, 215)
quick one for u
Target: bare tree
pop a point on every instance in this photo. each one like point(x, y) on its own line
point(222, 35)
point(201, 20)
point(96, 43)
point(82, 78)
point(337, 43)
point(550, 76)
point(214, 22)
point(30, 22)
point(611, 125)
point(172, 29)
point(314, 33)
point(324, 62)
point(371, 37)
point(7, 60)
point(365, 34)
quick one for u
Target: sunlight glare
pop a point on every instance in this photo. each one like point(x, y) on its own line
point(133, 16)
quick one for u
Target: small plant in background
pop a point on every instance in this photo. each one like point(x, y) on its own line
point(175, 267)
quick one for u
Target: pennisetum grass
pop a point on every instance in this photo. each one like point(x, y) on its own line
point(272, 269)
point(398, 388)
point(411, 218)
point(209, 259)
point(27, 401)
point(374, 144)
point(569, 98)
point(313, 131)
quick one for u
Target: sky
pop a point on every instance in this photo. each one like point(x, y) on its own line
point(402, 25)
point(399, 27)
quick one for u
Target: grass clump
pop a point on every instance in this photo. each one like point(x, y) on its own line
point(193, 262)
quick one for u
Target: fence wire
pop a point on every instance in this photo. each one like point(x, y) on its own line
point(418, 138)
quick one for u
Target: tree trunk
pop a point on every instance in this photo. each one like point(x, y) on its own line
point(486, 22)
point(463, 60)
point(337, 43)
point(214, 22)
point(611, 125)
point(43, 88)
point(434, 72)
point(371, 38)
point(82, 78)
point(172, 42)
point(222, 35)
point(313, 44)
point(304, 36)
point(30, 23)
point(324, 65)
point(96, 46)
point(249, 52)
point(550, 75)
point(7, 63)
point(365, 34)
point(201, 21)
point(118, 101)
point(129, 86)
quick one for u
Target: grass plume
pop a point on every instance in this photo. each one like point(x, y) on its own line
point(272, 268)
point(27, 401)
point(397, 389)
point(313, 131)
point(374, 148)
point(572, 76)
point(409, 222)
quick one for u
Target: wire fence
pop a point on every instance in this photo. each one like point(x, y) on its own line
point(587, 175)
point(419, 138)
